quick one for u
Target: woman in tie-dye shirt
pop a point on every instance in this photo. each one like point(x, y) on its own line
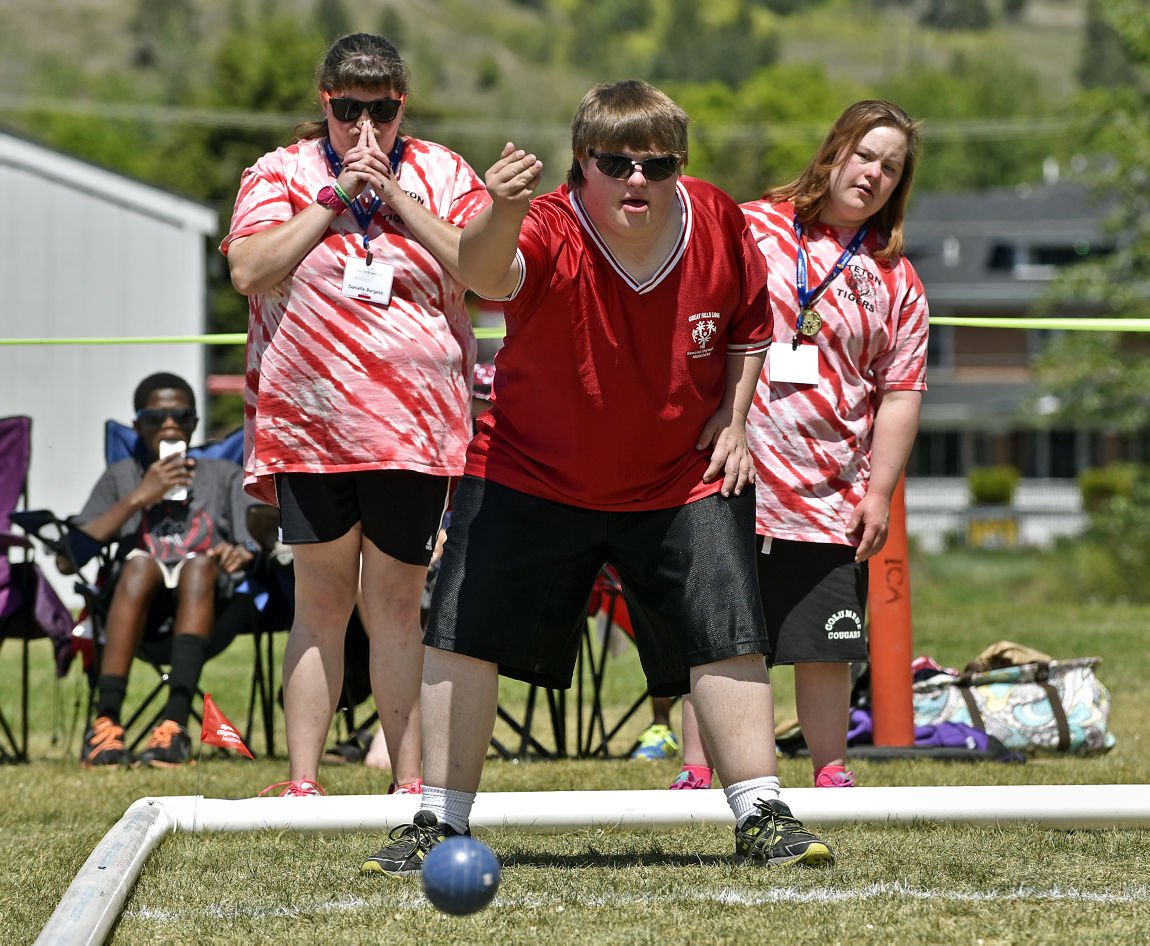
point(359, 360)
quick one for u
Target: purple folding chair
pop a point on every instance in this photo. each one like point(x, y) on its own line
point(29, 606)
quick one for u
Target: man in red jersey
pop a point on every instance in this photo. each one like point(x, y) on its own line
point(637, 320)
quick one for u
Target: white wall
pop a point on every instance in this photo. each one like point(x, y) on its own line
point(87, 253)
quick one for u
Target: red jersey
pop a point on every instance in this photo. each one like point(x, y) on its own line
point(336, 384)
point(604, 383)
point(812, 442)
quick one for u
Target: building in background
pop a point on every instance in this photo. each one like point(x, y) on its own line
point(995, 254)
point(87, 253)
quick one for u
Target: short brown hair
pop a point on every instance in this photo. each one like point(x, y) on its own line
point(629, 114)
point(808, 191)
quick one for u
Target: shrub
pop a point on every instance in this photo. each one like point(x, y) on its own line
point(1113, 555)
point(1099, 485)
point(992, 485)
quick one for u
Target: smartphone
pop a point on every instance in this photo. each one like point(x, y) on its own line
point(168, 448)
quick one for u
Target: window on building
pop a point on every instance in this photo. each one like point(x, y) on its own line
point(936, 453)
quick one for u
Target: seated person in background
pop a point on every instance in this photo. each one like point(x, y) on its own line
point(182, 546)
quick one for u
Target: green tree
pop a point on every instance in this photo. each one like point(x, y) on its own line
point(1102, 380)
point(764, 131)
point(968, 109)
point(957, 15)
point(331, 19)
point(1117, 125)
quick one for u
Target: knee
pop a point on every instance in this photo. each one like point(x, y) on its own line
point(138, 578)
point(198, 575)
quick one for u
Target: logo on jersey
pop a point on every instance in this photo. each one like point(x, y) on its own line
point(844, 625)
point(859, 286)
point(703, 333)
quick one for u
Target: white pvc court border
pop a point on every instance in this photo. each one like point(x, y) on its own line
point(96, 896)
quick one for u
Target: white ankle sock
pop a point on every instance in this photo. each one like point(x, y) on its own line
point(742, 795)
point(449, 807)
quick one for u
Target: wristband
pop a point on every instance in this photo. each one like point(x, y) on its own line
point(341, 193)
point(330, 200)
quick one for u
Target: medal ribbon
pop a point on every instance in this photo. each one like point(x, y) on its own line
point(809, 298)
point(364, 214)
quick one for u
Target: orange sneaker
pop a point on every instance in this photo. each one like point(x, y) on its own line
point(169, 746)
point(104, 745)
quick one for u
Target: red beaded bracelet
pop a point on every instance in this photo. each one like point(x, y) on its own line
point(330, 200)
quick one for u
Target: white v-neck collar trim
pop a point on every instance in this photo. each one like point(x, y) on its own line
point(668, 264)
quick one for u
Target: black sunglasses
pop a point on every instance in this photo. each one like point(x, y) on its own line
point(620, 166)
point(381, 110)
point(158, 416)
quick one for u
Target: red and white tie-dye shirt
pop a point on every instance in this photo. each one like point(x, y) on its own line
point(336, 384)
point(812, 442)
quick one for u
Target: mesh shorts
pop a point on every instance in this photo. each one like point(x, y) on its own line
point(517, 572)
point(399, 510)
point(814, 601)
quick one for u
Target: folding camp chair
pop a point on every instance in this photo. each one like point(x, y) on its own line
point(241, 614)
point(594, 739)
point(594, 732)
point(29, 606)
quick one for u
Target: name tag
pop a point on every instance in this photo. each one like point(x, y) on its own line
point(369, 283)
point(793, 365)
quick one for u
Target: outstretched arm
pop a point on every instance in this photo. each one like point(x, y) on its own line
point(487, 247)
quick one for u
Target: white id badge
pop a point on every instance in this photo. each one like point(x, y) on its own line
point(793, 365)
point(370, 283)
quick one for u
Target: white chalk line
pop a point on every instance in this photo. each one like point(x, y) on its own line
point(728, 897)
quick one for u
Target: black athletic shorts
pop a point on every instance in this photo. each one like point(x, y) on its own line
point(517, 573)
point(399, 510)
point(814, 601)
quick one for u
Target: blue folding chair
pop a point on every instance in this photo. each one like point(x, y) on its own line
point(243, 613)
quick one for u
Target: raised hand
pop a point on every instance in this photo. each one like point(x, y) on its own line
point(514, 178)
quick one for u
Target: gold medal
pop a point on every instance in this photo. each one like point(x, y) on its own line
point(810, 322)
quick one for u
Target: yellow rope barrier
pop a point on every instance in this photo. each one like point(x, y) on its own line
point(237, 338)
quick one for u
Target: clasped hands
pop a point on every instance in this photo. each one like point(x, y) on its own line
point(367, 165)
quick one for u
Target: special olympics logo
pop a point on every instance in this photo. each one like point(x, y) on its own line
point(702, 334)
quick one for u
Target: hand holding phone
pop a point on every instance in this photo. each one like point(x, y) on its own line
point(173, 448)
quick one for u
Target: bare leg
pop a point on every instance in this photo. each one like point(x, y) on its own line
point(196, 597)
point(661, 711)
point(695, 750)
point(822, 699)
point(377, 755)
point(460, 695)
point(736, 717)
point(391, 592)
point(327, 580)
point(137, 585)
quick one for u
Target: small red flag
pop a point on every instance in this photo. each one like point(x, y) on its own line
point(218, 731)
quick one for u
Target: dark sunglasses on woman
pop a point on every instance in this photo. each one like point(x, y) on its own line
point(381, 110)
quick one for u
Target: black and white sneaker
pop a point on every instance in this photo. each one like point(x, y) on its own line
point(410, 844)
point(774, 836)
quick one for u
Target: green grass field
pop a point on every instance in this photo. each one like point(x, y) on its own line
point(926, 883)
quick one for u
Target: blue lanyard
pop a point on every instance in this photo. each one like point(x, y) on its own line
point(363, 214)
point(810, 298)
